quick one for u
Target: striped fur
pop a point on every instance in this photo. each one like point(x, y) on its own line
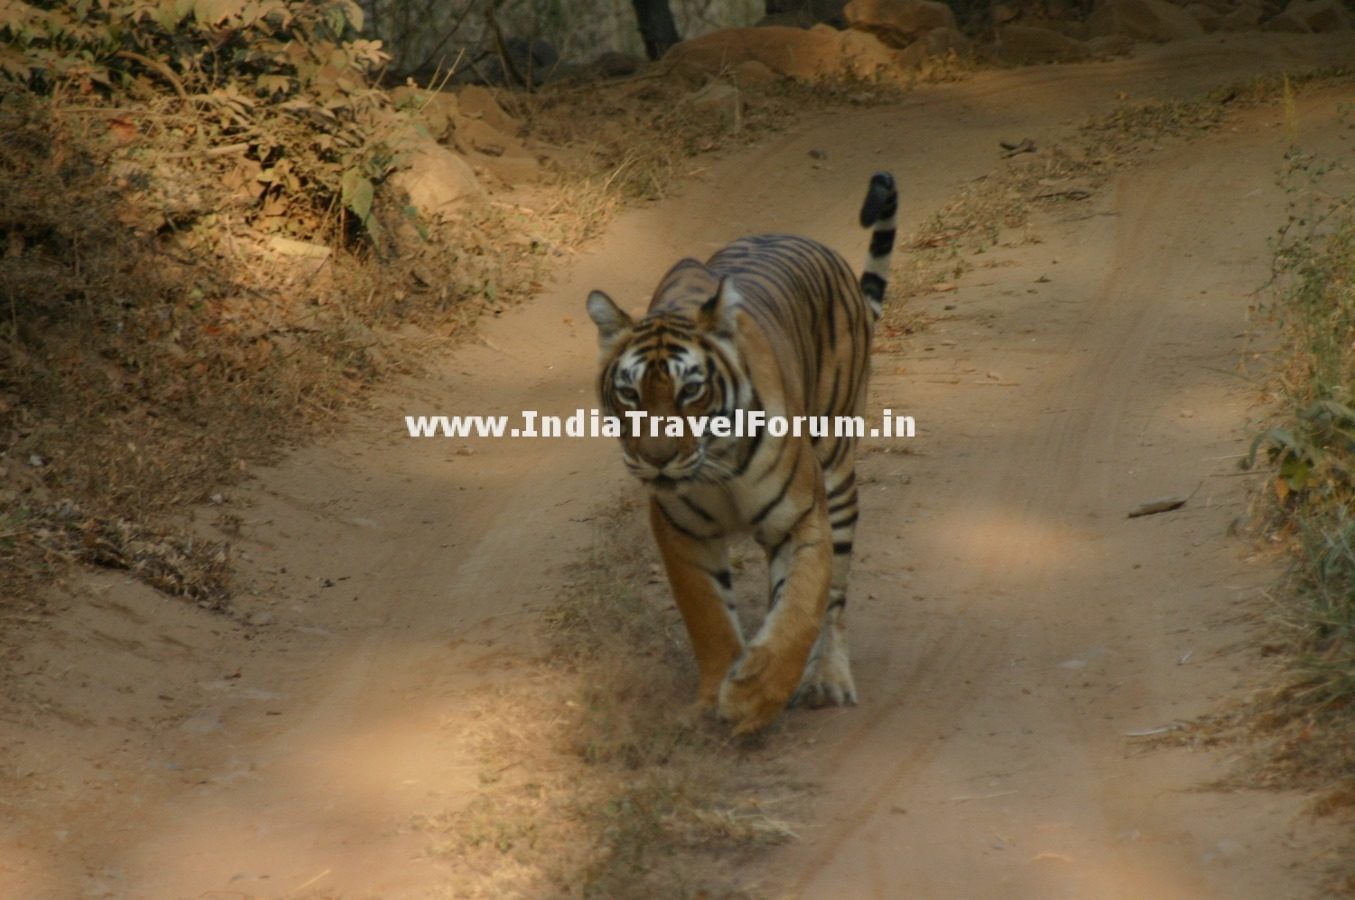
point(776, 323)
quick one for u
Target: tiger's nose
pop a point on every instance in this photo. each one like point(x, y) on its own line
point(657, 451)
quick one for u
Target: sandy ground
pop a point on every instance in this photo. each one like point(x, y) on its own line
point(1010, 625)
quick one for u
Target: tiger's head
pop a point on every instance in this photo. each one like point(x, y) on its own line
point(679, 361)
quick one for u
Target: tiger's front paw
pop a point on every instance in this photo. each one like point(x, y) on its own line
point(827, 682)
point(755, 691)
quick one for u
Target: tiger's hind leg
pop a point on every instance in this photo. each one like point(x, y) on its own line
point(828, 674)
point(701, 582)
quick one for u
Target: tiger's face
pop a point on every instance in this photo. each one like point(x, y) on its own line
point(677, 370)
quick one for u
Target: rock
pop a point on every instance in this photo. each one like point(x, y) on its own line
point(611, 64)
point(478, 136)
point(805, 55)
point(261, 618)
point(1026, 44)
point(898, 22)
point(1144, 20)
point(721, 102)
point(941, 42)
point(479, 102)
point(752, 74)
point(864, 56)
point(436, 180)
point(1320, 16)
point(1208, 17)
point(1246, 17)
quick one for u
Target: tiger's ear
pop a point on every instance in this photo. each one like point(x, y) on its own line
point(717, 314)
point(610, 319)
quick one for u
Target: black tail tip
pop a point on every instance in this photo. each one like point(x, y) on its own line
point(882, 199)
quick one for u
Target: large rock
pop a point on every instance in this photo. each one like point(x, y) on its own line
point(813, 55)
point(865, 57)
point(720, 102)
point(941, 42)
point(898, 22)
point(1144, 20)
point(437, 181)
point(1026, 44)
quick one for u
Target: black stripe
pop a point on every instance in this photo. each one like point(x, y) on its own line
point(691, 504)
point(845, 486)
point(667, 517)
point(726, 579)
point(882, 242)
point(873, 286)
point(838, 603)
point(846, 503)
point(850, 520)
point(781, 495)
point(842, 549)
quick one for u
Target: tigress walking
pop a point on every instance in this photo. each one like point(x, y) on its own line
point(774, 323)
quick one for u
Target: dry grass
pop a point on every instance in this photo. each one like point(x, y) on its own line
point(598, 779)
point(997, 209)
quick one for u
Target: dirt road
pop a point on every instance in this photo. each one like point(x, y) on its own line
point(1010, 625)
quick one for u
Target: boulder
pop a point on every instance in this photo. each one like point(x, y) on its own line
point(1026, 44)
point(720, 102)
point(865, 57)
point(437, 181)
point(818, 53)
point(1144, 20)
point(753, 74)
point(898, 22)
point(941, 42)
point(611, 64)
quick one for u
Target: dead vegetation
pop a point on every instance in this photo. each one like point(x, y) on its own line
point(1301, 730)
point(206, 257)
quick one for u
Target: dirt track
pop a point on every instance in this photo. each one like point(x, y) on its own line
point(1010, 625)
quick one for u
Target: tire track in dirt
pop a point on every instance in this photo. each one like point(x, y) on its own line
point(1044, 798)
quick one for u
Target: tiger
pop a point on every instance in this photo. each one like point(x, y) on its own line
point(776, 323)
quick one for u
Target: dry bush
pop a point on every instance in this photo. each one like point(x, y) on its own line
point(197, 267)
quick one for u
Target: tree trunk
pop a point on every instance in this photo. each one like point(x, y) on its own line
point(657, 28)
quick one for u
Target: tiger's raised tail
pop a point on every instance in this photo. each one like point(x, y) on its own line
point(879, 213)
